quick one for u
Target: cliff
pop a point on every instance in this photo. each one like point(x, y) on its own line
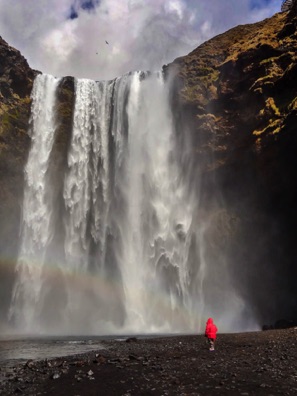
point(16, 79)
point(238, 93)
point(236, 101)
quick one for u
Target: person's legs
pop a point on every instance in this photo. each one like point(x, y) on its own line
point(211, 344)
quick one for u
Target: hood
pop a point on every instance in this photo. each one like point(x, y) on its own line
point(209, 320)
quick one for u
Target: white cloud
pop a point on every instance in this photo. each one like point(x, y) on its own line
point(175, 6)
point(61, 42)
point(142, 34)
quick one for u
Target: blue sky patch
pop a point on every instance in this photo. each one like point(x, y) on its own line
point(86, 5)
point(259, 3)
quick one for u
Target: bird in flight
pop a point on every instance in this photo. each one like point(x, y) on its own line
point(106, 42)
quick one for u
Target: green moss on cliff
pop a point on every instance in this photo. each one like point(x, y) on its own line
point(8, 119)
point(245, 79)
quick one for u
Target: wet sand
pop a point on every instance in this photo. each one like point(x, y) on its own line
point(259, 363)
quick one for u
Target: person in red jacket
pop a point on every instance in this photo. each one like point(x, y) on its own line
point(211, 333)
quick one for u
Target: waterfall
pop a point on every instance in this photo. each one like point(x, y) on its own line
point(133, 257)
point(37, 226)
point(86, 188)
point(159, 215)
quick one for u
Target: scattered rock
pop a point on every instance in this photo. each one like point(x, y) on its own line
point(131, 339)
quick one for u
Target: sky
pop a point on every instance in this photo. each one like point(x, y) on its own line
point(103, 39)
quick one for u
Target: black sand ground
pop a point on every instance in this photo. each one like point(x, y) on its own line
point(260, 363)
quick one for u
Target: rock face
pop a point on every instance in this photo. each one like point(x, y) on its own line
point(239, 91)
point(235, 99)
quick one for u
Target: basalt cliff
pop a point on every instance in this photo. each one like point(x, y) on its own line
point(235, 98)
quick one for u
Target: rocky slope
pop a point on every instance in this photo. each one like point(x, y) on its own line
point(236, 101)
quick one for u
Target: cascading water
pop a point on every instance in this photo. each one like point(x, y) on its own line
point(158, 219)
point(133, 256)
point(86, 191)
point(37, 227)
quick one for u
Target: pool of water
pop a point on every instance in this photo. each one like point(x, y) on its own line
point(17, 351)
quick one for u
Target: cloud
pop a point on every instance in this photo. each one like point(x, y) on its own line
point(68, 37)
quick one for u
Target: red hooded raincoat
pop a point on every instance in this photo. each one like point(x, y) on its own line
point(211, 329)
